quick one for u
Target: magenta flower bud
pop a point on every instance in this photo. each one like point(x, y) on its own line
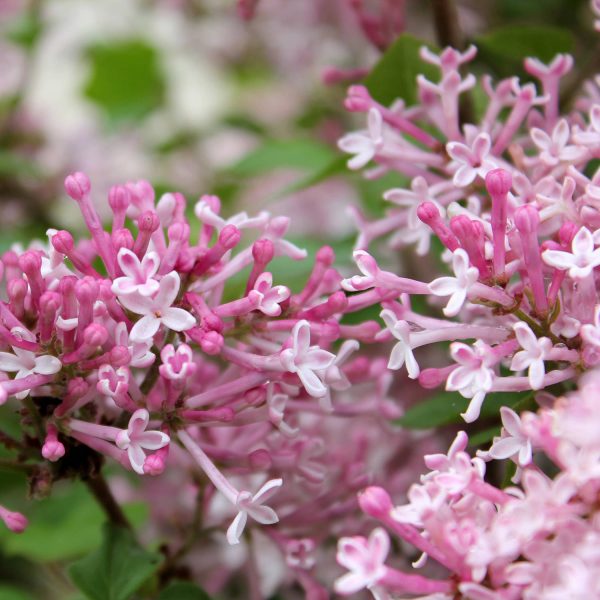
point(256, 396)
point(122, 238)
point(178, 232)
point(95, 335)
point(260, 459)
point(428, 213)
point(16, 290)
point(527, 219)
point(185, 261)
point(77, 185)
point(63, 242)
point(86, 290)
point(498, 182)
point(15, 521)
point(358, 99)
point(325, 255)
point(30, 261)
point(142, 190)
point(567, 232)
point(154, 464)
point(213, 322)
point(375, 502)
point(148, 221)
point(432, 378)
point(52, 449)
point(49, 304)
point(119, 198)
point(229, 237)
point(119, 356)
point(77, 388)
point(212, 342)
point(263, 251)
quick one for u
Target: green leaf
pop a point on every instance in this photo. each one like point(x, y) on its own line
point(117, 569)
point(125, 79)
point(304, 155)
point(445, 408)
point(56, 534)
point(505, 48)
point(9, 592)
point(25, 30)
point(395, 75)
point(333, 167)
point(183, 590)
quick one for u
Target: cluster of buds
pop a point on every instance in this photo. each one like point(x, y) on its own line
point(516, 216)
point(537, 540)
point(126, 344)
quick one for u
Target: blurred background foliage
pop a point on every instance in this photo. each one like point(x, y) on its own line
point(187, 95)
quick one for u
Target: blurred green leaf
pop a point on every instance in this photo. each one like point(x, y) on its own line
point(125, 79)
point(9, 592)
point(395, 75)
point(505, 48)
point(11, 164)
point(484, 437)
point(183, 590)
point(333, 167)
point(25, 30)
point(117, 569)
point(64, 526)
point(301, 154)
point(445, 408)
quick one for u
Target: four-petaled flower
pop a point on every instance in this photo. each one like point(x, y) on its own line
point(304, 360)
point(135, 439)
point(471, 161)
point(138, 274)
point(252, 505)
point(555, 148)
point(25, 362)
point(157, 310)
point(177, 364)
point(364, 144)
point(402, 351)
point(272, 296)
point(532, 357)
point(474, 377)
point(513, 441)
point(456, 287)
point(580, 261)
point(364, 558)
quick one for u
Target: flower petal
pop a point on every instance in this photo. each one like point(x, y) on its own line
point(177, 319)
point(144, 329)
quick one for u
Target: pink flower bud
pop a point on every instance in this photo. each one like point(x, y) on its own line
point(178, 232)
point(119, 198)
point(230, 236)
point(263, 251)
point(63, 242)
point(498, 182)
point(86, 290)
point(52, 449)
point(77, 185)
point(567, 232)
point(212, 342)
point(30, 261)
point(15, 521)
point(122, 238)
point(527, 219)
point(375, 502)
point(154, 464)
point(325, 255)
point(148, 221)
point(119, 356)
point(95, 335)
point(260, 459)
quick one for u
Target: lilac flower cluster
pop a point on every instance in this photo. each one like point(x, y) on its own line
point(517, 217)
point(124, 344)
point(512, 200)
point(535, 541)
